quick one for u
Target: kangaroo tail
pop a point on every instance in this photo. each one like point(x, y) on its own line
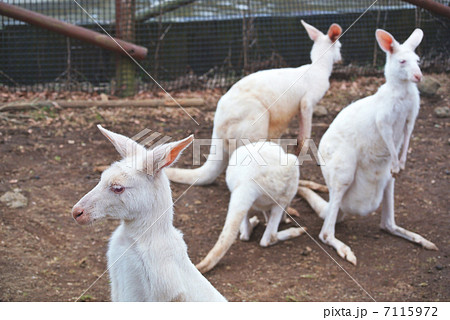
point(317, 203)
point(207, 173)
point(240, 203)
point(313, 185)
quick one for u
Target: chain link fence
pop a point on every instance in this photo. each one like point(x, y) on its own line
point(204, 43)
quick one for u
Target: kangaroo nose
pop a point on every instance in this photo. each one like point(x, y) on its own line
point(418, 77)
point(77, 212)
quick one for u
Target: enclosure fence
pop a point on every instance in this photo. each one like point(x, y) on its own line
point(204, 43)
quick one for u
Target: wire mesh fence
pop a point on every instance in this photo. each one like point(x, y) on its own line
point(204, 43)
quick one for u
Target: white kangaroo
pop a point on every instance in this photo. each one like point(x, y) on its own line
point(262, 177)
point(362, 145)
point(147, 256)
point(261, 105)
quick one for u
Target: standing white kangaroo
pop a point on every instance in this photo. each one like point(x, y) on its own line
point(261, 105)
point(361, 148)
point(263, 178)
point(147, 256)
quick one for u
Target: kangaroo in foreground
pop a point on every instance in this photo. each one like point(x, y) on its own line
point(261, 105)
point(361, 148)
point(147, 256)
point(267, 183)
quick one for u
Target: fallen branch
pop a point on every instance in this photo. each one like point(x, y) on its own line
point(149, 103)
point(11, 115)
point(9, 119)
point(313, 186)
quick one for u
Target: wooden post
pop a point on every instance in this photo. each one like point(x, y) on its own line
point(125, 29)
point(247, 38)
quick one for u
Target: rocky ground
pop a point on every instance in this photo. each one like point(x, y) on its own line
point(50, 158)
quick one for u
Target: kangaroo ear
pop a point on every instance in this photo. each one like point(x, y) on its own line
point(167, 154)
point(313, 33)
point(334, 32)
point(414, 39)
point(386, 41)
point(124, 145)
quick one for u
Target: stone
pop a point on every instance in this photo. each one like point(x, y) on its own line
point(442, 112)
point(320, 111)
point(14, 199)
point(429, 86)
point(306, 251)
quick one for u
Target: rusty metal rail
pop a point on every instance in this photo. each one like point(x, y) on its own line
point(73, 31)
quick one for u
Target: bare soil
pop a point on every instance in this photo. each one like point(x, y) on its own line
point(51, 156)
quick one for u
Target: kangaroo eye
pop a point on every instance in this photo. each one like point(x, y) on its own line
point(117, 189)
point(402, 61)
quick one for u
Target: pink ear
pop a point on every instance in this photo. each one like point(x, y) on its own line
point(385, 40)
point(173, 150)
point(334, 32)
point(124, 145)
point(313, 33)
point(414, 39)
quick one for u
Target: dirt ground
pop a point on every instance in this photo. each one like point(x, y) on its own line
point(51, 156)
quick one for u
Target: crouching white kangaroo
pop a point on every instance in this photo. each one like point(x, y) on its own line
point(147, 256)
point(361, 148)
point(264, 180)
point(261, 105)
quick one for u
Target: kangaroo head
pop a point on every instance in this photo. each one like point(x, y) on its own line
point(402, 63)
point(325, 44)
point(133, 185)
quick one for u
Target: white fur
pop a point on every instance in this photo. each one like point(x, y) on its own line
point(254, 185)
point(361, 148)
point(147, 256)
point(261, 97)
